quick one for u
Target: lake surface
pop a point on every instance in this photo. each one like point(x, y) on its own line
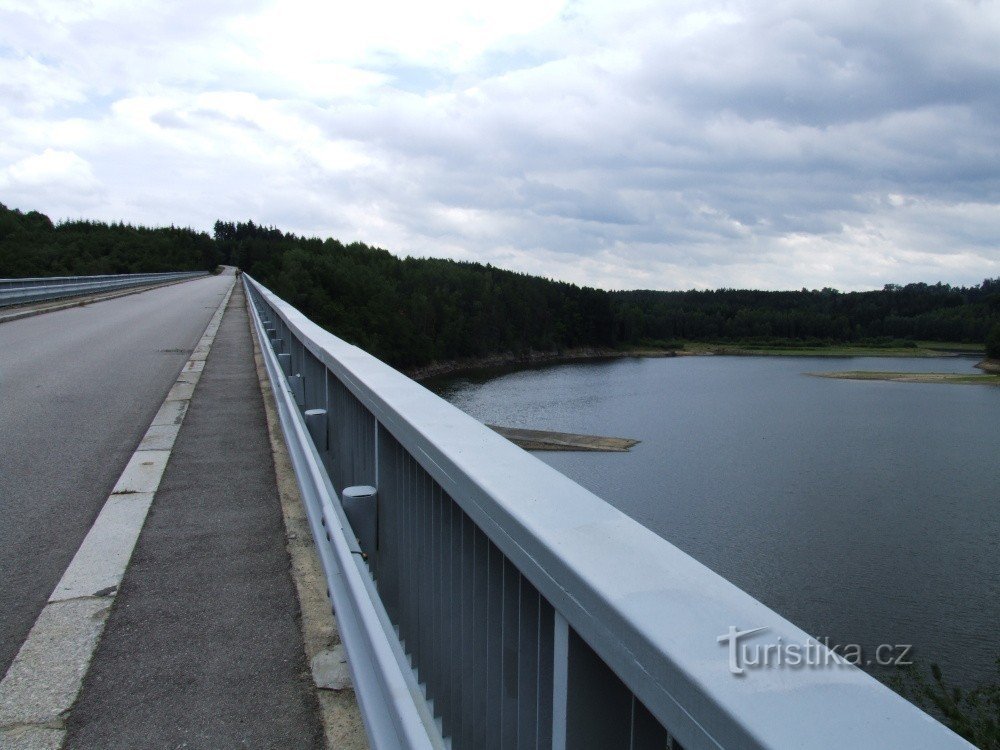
point(867, 512)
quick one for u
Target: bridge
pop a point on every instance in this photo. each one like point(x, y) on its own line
point(483, 599)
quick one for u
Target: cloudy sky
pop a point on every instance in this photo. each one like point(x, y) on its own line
point(619, 143)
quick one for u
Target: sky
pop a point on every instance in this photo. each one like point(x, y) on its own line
point(621, 144)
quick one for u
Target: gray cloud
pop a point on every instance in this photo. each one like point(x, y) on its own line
point(712, 144)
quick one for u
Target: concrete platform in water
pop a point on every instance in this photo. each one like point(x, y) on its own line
point(544, 440)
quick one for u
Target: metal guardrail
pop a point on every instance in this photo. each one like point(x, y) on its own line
point(23, 291)
point(494, 603)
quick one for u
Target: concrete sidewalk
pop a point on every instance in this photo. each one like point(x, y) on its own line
point(203, 648)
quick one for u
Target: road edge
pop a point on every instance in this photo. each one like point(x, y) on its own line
point(343, 727)
point(45, 678)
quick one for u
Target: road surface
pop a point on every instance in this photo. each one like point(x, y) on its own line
point(78, 388)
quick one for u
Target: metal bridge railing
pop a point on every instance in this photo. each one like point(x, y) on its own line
point(22, 291)
point(487, 601)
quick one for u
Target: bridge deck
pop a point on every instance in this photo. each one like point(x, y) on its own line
point(203, 646)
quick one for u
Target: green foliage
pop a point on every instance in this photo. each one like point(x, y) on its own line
point(974, 714)
point(31, 245)
point(894, 317)
point(411, 311)
point(993, 342)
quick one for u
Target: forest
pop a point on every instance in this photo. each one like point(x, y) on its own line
point(415, 311)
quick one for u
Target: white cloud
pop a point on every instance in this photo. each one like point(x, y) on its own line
point(51, 167)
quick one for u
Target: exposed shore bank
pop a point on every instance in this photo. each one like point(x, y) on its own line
point(930, 349)
point(991, 366)
point(531, 359)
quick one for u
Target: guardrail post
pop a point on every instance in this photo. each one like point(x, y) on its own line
point(285, 360)
point(297, 385)
point(361, 508)
point(316, 424)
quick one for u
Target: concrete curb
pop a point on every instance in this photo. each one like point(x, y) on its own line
point(44, 679)
point(343, 726)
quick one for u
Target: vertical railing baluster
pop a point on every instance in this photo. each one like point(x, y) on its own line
point(510, 644)
point(455, 607)
point(423, 553)
point(433, 552)
point(546, 675)
point(470, 633)
point(419, 578)
point(481, 646)
point(560, 680)
point(527, 667)
point(388, 544)
point(410, 588)
point(494, 655)
point(598, 705)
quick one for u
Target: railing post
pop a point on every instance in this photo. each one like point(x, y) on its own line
point(316, 423)
point(361, 508)
point(285, 360)
point(297, 386)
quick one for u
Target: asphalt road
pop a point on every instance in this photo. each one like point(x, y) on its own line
point(78, 388)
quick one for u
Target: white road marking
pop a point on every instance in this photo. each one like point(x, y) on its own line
point(143, 472)
point(45, 677)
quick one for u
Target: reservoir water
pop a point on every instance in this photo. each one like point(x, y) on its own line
point(866, 512)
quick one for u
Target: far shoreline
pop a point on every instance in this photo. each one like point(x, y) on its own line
point(511, 362)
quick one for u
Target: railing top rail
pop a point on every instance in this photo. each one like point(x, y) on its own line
point(650, 611)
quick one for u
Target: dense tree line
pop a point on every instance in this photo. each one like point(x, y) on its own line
point(935, 312)
point(31, 245)
point(412, 312)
